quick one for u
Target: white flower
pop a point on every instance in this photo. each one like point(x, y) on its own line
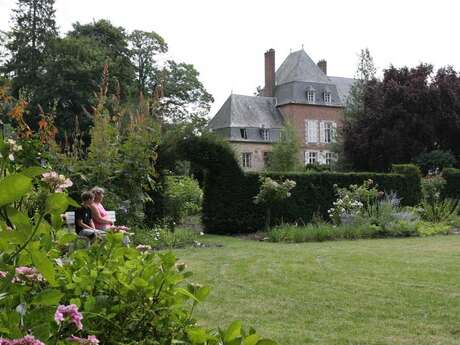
point(11, 157)
point(201, 233)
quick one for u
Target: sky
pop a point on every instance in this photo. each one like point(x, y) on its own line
point(226, 40)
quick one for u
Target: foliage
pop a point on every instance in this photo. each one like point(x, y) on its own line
point(452, 187)
point(398, 122)
point(434, 207)
point(435, 161)
point(430, 229)
point(163, 238)
point(271, 193)
point(33, 27)
point(354, 200)
point(107, 292)
point(183, 197)
point(228, 205)
point(144, 47)
point(284, 156)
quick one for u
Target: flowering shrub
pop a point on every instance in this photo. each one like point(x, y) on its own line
point(434, 207)
point(355, 200)
point(272, 192)
point(56, 182)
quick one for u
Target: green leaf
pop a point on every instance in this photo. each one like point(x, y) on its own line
point(186, 293)
point(57, 203)
point(139, 282)
point(33, 171)
point(72, 202)
point(44, 265)
point(48, 297)
point(251, 340)
point(13, 188)
point(233, 331)
point(19, 219)
point(197, 335)
point(202, 293)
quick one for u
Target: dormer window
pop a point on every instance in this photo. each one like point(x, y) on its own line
point(327, 97)
point(265, 132)
point(244, 133)
point(311, 95)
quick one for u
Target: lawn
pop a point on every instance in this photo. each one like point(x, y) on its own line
point(389, 291)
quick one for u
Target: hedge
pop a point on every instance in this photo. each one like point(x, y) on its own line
point(452, 188)
point(228, 206)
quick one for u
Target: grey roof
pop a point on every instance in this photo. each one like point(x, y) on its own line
point(247, 111)
point(298, 66)
point(343, 87)
point(296, 92)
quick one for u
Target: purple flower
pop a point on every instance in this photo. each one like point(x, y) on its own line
point(27, 274)
point(91, 340)
point(27, 340)
point(71, 312)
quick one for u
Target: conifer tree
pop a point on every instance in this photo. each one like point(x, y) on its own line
point(33, 27)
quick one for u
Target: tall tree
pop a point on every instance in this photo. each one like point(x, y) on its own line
point(398, 123)
point(183, 96)
point(285, 154)
point(114, 42)
point(144, 47)
point(33, 27)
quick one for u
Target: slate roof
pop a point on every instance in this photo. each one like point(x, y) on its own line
point(298, 66)
point(247, 111)
point(343, 87)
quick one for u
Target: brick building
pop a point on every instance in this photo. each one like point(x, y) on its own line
point(300, 92)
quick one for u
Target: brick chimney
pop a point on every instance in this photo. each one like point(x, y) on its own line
point(322, 64)
point(269, 89)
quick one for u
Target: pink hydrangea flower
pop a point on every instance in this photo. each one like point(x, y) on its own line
point(56, 182)
point(91, 340)
point(143, 248)
point(71, 312)
point(3, 274)
point(27, 274)
point(27, 340)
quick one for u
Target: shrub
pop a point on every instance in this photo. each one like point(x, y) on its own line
point(183, 197)
point(452, 187)
point(434, 207)
point(435, 161)
point(272, 192)
point(430, 229)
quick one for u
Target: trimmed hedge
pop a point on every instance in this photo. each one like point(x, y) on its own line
point(452, 188)
point(228, 206)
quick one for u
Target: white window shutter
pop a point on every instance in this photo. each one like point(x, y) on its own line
point(334, 131)
point(322, 133)
point(313, 131)
point(305, 157)
point(306, 133)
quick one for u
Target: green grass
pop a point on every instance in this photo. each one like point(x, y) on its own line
point(388, 291)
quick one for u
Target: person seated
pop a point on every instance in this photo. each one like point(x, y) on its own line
point(98, 213)
point(84, 225)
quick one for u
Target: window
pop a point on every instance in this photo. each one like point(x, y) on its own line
point(311, 96)
point(328, 132)
point(327, 97)
point(311, 131)
point(329, 158)
point(311, 157)
point(265, 134)
point(267, 156)
point(246, 158)
point(244, 133)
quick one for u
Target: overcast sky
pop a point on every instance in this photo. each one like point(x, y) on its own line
point(226, 40)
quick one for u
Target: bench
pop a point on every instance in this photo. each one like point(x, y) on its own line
point(70, 219)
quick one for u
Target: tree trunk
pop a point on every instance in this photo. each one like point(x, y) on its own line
point(268, 213)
